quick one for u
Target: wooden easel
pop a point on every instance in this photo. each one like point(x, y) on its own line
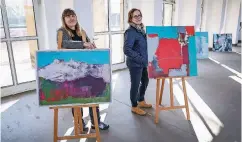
point(159, 93)
point(77, 129)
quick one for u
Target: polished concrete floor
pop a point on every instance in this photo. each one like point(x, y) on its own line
point(214, 101)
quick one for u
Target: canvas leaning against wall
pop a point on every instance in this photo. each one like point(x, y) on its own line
point(222, 42)
point(171, 51)
point(202, 45)
point(73, 77)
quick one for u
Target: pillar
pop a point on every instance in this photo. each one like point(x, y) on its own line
point(212, 18)
point(84, 11)
point(232, 19)
point(31, 30)
point(186, 11)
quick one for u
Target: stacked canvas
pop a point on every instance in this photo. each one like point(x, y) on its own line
point(202, 45)
point(222, 42)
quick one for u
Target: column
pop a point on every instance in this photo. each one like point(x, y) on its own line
point(187, 12)
point(212, 18)
point(84, 11)
point(232, 19)
point(152, 11)
point(31, 30)
point(158, 12)
point(49, 21)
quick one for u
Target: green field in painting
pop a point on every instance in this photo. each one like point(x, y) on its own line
point(47, 86)
point(71, 100)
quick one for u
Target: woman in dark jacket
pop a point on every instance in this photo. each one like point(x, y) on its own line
point(135, 48)
point(72, 36)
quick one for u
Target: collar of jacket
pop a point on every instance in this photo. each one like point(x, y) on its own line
point(140, 30)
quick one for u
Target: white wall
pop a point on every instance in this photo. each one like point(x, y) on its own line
point(223, 16)
point(232, 18)
point(213, 18)
point(176, 14)
point(47, 17)
point(238, 29)
point(186, 13)
point(83, 9)
point(158, 9)
point(151, 10)
point(198, 15)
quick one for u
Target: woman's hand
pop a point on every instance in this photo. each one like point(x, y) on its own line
point(94, 46)
point(88, 45)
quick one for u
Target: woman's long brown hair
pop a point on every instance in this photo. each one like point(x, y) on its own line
point(80, 32)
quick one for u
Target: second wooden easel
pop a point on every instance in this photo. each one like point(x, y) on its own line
point(159, 94)
point(77, 126)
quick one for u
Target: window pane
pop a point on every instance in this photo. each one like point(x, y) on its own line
point(167, 14)
point(102, 41)
point(20, 18)
point(1, 24)
point(117, 49)
point(6, 76)
point(24, 58)
point(100, 15)
point(116, 15)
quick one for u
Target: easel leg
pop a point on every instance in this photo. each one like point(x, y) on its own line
point(185, 98)
point(55, 124)
point(157, 100)
point(76, 120)
point(94, 109)
point(80, 120)
point(171, 93)
point(162, 90)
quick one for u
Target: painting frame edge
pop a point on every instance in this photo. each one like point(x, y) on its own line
point(70, 50)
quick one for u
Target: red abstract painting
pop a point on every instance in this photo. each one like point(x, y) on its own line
point(168, 49)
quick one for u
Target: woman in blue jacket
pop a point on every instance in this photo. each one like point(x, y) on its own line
point(135, 48)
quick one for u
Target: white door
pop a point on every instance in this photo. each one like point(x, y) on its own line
point(19, 41)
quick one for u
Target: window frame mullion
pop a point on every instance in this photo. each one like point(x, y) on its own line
point(8, 43)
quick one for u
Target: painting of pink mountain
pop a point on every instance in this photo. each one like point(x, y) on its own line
point(71, 81)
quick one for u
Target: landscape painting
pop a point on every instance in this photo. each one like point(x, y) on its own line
point(202, 45)
point(222, 42)
point(73, 77)
point(171, 51)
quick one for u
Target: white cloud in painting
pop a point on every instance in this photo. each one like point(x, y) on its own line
point(60, 71)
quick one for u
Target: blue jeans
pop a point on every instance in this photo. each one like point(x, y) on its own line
point(91, 114)
point(137, 91)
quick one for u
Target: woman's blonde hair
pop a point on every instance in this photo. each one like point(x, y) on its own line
point(80, 32)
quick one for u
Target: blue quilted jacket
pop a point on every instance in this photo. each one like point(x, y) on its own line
point(135, 48)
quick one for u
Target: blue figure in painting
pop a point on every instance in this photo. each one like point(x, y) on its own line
point(155, 64)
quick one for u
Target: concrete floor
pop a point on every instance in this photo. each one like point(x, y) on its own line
point(214, 101)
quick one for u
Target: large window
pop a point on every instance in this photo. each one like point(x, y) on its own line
point(108, 18)
point(18, 42)
point(168, 8)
